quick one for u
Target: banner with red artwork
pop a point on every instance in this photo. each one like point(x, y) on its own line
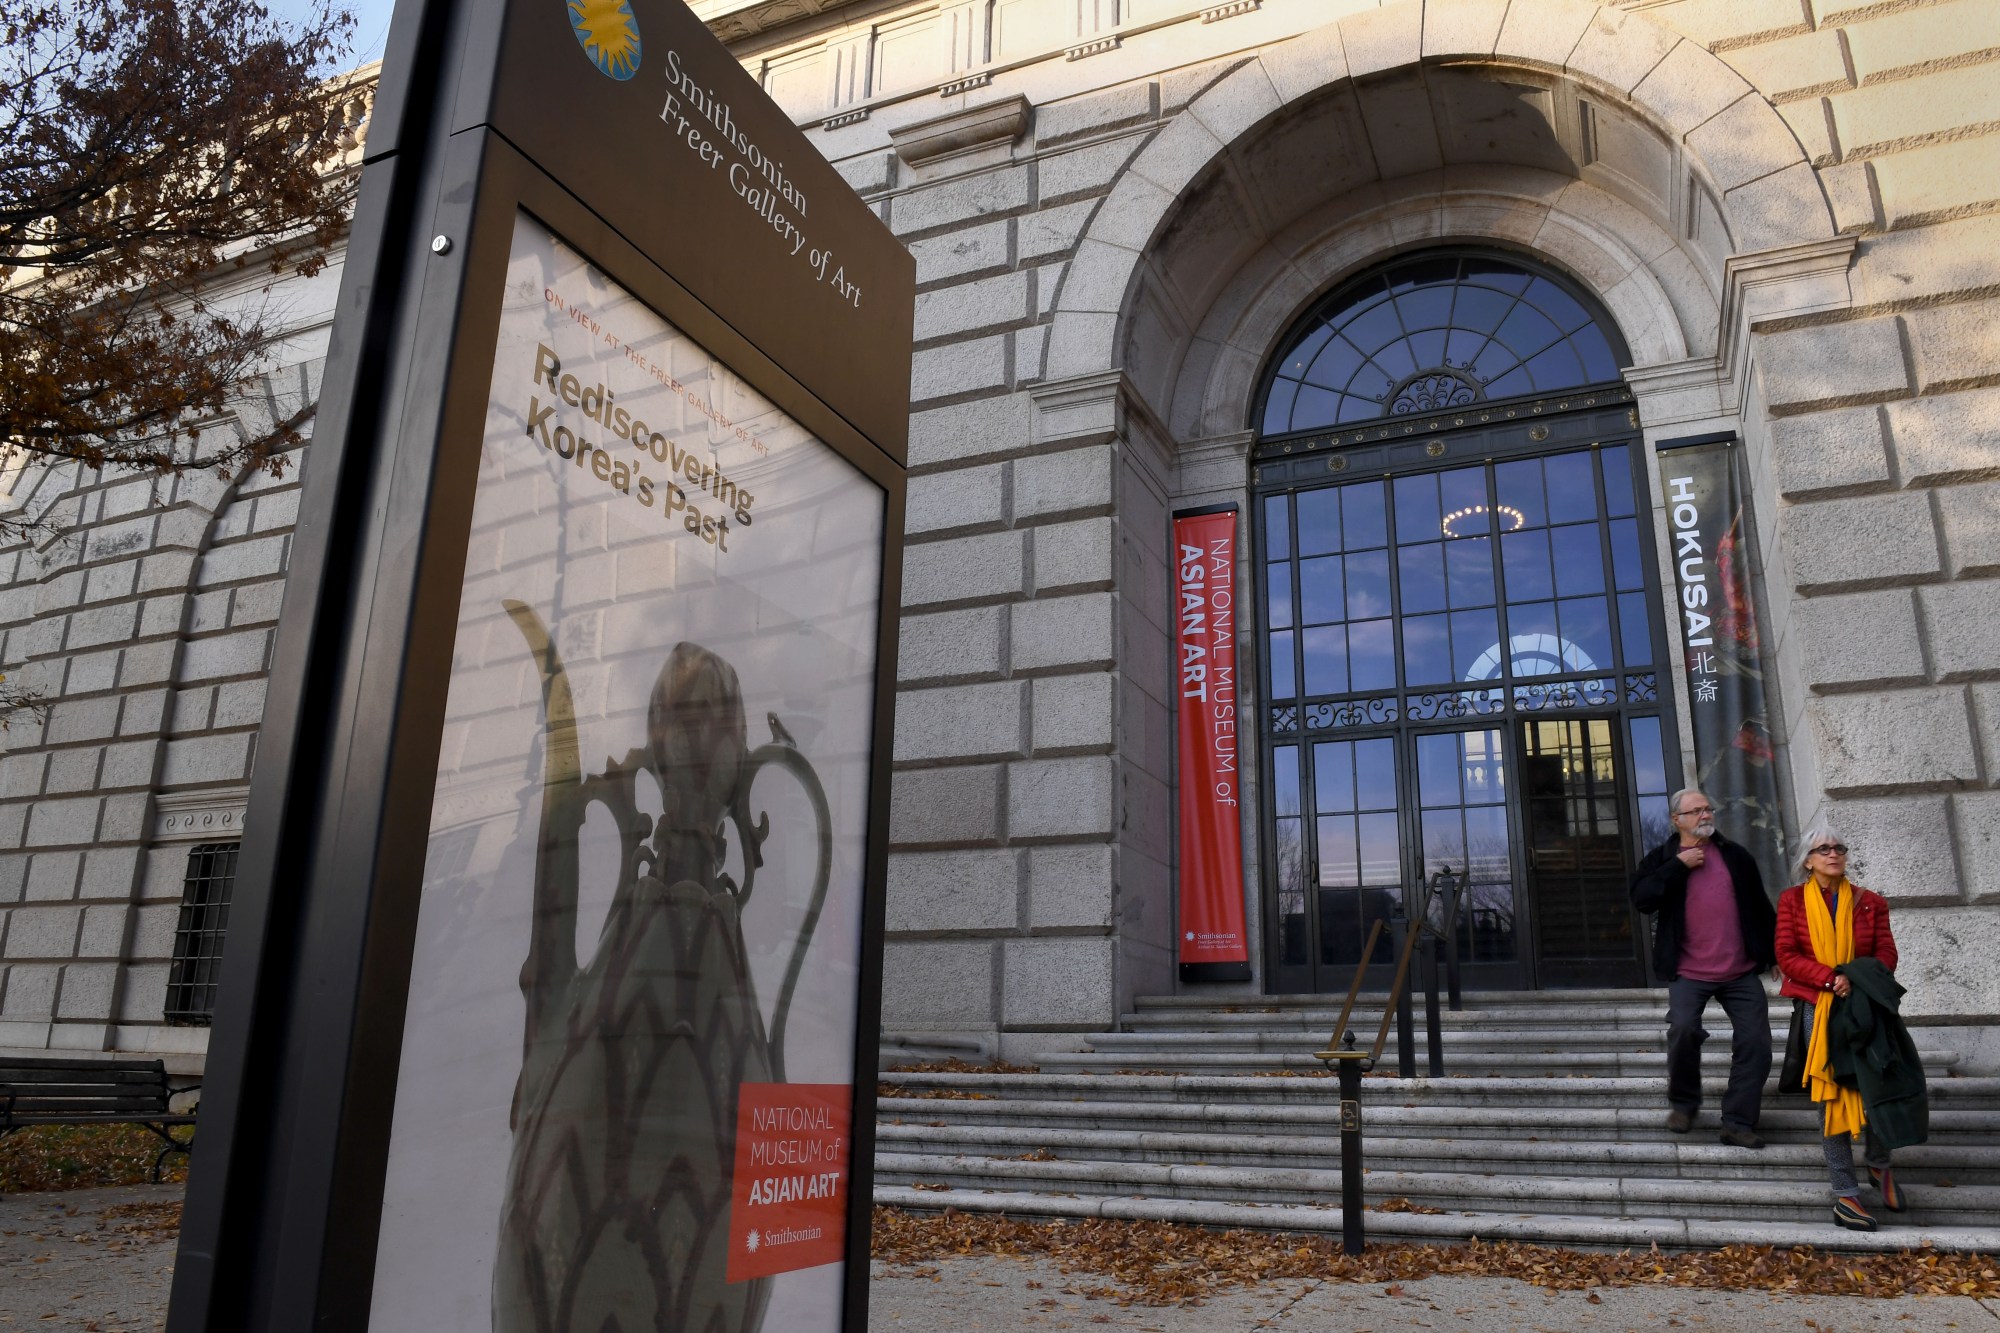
point(1214, 944)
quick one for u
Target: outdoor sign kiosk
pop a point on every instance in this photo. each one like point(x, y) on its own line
point(554, 965)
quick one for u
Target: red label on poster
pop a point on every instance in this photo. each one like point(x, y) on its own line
point(788, 1202)
point(1211, 827)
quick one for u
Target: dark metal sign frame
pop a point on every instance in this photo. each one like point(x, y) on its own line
point(284, 1200)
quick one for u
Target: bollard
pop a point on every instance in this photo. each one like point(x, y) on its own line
point(1352, 1224)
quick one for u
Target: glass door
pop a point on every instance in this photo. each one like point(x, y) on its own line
point(1340, 862)
point(1574, 834)
point(1463, 794)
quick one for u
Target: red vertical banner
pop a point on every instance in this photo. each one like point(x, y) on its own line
point(1214, 944)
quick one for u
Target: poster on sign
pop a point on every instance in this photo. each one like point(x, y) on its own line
point(1214, 939)
point(626, 1088)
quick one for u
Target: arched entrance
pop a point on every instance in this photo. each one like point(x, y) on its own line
point(1462, 640)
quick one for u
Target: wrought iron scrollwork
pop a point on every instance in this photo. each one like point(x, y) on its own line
point(1642, 689)
point(1453, 704)
point(1334, 715)
point(1434, 390)
point(1284, 718)
point(1543, 696)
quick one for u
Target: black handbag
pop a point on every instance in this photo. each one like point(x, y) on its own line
point(1792, 1074)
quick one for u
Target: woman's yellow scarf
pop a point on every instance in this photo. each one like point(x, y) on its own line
point(1833, 945)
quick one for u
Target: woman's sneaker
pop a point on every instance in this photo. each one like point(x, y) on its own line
point(1848, 1212)
point(1884, 1179)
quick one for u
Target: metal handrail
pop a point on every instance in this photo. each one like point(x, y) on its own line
point(1352, 1064)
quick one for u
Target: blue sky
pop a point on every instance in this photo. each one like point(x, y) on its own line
point(371, 23)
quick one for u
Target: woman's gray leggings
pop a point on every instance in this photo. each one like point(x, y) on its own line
point(1839, 1148)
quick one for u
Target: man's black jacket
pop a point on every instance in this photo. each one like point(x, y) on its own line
point(1661, 886)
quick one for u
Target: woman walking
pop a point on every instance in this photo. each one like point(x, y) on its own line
point(1824, 924)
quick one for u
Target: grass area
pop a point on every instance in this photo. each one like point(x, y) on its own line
point(76, 1157)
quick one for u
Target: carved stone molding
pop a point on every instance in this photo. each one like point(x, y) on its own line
point(855, 116)
point(214, 815)
point(1083, 50)
point(966, 84)
point(1080, 409)
point(988, 125)
point(1217, 13)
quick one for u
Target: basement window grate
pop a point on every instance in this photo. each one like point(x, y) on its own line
point(205, 894)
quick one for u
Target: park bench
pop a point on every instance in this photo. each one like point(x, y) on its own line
point(39, 1090)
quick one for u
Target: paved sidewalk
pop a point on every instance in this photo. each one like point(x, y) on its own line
point(969, 1295)
point(92, 1260)
point(100, 1262)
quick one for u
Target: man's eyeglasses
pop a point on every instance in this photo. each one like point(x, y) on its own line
point(1829, 849)
point(1695, 810)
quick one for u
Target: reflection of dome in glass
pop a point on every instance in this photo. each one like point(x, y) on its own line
point(1534, 655)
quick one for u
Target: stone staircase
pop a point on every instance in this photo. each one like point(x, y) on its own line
point(1548, 1127)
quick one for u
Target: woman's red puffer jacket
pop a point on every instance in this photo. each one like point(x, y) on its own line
point(1805, 976)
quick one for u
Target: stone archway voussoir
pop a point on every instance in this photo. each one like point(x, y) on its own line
point(1462, 27)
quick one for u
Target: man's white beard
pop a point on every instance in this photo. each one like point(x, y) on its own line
point(1705, 829)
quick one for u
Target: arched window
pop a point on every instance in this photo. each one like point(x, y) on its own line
point(1433, 332)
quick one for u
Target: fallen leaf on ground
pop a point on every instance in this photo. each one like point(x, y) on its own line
point(1161, 1263)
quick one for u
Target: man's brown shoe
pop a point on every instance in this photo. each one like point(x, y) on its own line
point(1679, 1121)
point(1741, 1138)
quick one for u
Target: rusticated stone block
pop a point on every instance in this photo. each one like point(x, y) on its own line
point(1901, 847)
point(954, 891)
point(1061, 982)
point(958, 368)
point(1072, 555)
point(1062, 631)
point(1829, 450)
point(1829, 365)
point(960, 722)
point(993, 193)
point(1070, 887)
point(1867, 638)
point(945, 805)
point(967, 498)
point(970, 430)
point(937, 985)
point(953, 644)
point(1073, 712)
point(1971, 522)
point(1900, 738)
point(1946, 438)
point(1963, 620)
point(963, 569)
point(1870, 539)
point(1977, 817)
point(1060, 798)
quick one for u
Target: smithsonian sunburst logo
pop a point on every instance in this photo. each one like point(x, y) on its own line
point(608, 33)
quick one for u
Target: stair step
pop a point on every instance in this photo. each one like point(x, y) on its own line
point(1698, 1157)
point(1612, 1063)
point(1314, 1116)
point(1761, 1198)
point(1550, 1127)
point(1542, 1090)
point(1653, 1040)
point(1537, 1228)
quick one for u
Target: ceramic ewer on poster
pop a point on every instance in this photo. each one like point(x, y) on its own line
point(609, 1223)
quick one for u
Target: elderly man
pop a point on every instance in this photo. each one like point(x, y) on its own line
point(1715, 934)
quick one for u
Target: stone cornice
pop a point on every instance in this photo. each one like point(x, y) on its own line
point(212, 815)
point(990, 124)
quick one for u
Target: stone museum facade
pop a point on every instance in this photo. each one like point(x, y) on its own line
point(1419, 287)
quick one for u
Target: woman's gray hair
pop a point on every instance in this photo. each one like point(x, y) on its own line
point(1819, 833)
